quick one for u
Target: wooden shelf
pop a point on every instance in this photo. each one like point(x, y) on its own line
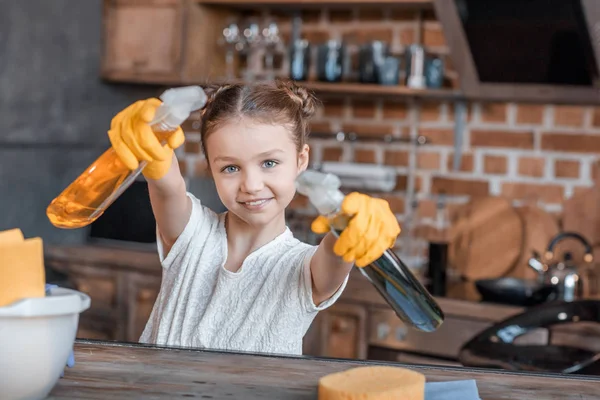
point(372, 90)
point(316, 3)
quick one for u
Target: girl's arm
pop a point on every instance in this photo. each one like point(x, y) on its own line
point(328, 270)
point(372, 230)
point(170, 204)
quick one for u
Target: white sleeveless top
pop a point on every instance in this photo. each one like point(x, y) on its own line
point(264, 307)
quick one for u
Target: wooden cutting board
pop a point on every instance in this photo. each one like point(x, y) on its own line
point(540, 228)
point(581, 214)
point(486, 238)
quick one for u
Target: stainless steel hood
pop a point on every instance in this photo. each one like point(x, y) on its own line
point(525, 50)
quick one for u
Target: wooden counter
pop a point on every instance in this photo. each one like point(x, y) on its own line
point(123, 371)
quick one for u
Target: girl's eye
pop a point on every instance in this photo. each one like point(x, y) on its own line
point(270, 163)
point(230, 169)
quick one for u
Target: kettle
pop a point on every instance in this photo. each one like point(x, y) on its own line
point(565, 276)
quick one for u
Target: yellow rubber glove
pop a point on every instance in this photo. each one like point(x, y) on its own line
point(134, 141)
point(372, 230)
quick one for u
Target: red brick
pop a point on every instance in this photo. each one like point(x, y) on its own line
point(192, 147)
point(364, 156)
point(596, 117)
point(531, 166)
point(332, 154)
point(333, 107)
point(407, 36)
point(594, 170)
point(402, 183)
point(577, 143)
point(495, 165)
point(530, 114)
point(426, 209)
point(396, 157)
point(363, 109)
point(438, 136)
point(395, 110)
point(493, 138)
point(367, 35)
point(566, 169)
point(320, 127)
point(430, 111)
point(459, 187)
point(428, 160)
point(577, 190)
point(433, 36)
point(396, 203)
point(466, 162)
point(368, 129)
point(493, 112)
point(568, 115)
point(547, 193)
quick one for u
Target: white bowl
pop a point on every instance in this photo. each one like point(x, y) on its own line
point(36, 338)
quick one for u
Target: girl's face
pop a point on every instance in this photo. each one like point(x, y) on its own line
point(255, 166)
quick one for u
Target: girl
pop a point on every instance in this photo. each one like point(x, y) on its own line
point(240, 280)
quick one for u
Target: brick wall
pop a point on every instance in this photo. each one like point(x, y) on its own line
point(522, 151)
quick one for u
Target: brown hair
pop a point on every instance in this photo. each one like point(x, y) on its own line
point(282, 102)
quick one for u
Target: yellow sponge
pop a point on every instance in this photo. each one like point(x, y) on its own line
point(21, 267)
point(373, 383)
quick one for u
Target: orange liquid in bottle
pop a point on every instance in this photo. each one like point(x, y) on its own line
point(86, 199)
point(81, 203)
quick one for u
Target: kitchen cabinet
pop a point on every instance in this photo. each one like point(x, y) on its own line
point(160, 41)
point(124, 285)
point(338, 332)
point(142, 293)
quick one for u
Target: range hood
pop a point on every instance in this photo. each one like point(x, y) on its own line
point(525, 50)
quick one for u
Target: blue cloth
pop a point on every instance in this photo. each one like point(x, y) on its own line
point(71, 359)
point(452, 390)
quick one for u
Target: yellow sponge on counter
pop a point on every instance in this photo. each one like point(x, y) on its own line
point(21, 267)
point(373, 383)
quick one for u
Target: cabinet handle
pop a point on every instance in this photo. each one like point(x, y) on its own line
point(383, 330)
point(84, 287)
point(401, 333)
point(340, 325)
point(145, 294)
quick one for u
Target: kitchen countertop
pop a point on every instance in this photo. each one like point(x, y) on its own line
point(124, 371)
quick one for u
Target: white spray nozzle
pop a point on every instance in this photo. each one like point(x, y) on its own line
point(322, 190)
point(178, 104)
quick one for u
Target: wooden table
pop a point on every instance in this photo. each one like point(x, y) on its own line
point(131, 371)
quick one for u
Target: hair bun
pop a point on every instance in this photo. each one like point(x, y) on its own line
point(306, 100)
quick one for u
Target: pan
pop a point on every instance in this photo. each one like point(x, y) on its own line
point(514, 291)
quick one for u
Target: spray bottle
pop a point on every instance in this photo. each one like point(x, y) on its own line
point(390, 276)
point(86, 199)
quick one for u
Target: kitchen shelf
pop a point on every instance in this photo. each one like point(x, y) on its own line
point(316, 3)
point(373, 90)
